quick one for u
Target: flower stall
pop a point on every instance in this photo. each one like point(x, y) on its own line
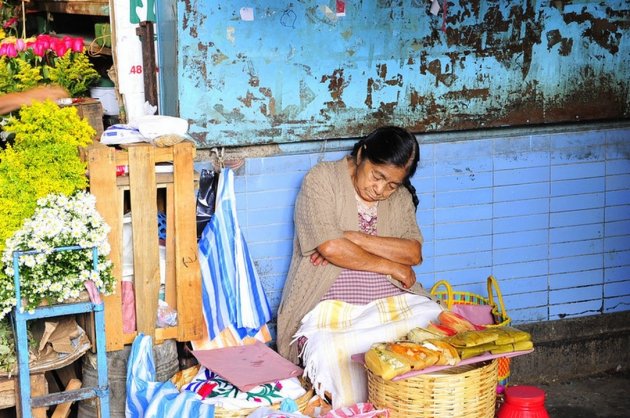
point(44, 207)
point(45, 59)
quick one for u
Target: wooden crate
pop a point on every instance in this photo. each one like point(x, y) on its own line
point(183, 277)
point(92, 111)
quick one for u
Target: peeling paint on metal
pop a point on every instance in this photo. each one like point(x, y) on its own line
point(298, 73)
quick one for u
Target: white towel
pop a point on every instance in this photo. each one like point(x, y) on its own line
point(337, 330)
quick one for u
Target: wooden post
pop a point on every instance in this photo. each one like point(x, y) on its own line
point(109, 203)
point(147, 38)
point(189, 317)
point(146, 256)
point(39, 387)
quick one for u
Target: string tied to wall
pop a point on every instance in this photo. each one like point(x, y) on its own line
point(220, 156)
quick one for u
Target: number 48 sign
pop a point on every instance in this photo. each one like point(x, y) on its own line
point(136, 69)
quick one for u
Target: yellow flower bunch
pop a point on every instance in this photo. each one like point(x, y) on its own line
point(43, 159)
point(73, 71)
point(17, 74)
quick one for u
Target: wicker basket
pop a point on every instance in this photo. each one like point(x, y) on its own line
point(466, 391)
point(301, 402)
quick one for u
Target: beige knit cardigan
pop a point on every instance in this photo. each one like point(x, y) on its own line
point(326, 207)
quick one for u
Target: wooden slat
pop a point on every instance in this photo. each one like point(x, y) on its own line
point(63, 410)
point(39, 387)
point(102, 167)
point(189, 312)
point(146, 256)
point(162, 180)
point(171, 289)
point(86, 7)
point(7, 393)
point(161, 334)
point(162, 154)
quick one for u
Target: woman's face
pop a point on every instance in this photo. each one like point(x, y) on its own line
point(375, 182)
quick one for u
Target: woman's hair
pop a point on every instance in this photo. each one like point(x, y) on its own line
point(391, 145)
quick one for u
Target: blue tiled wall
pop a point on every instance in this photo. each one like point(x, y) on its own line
point(547, 214)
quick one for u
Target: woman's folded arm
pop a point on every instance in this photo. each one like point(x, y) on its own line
point(346, 254)
point(400, 250)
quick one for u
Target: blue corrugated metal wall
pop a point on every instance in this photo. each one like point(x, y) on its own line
point(547, 214)
point(269, 71)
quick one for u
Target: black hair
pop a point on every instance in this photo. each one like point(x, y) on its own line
point(392, 145)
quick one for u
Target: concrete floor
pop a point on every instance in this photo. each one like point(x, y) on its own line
point(602, 395)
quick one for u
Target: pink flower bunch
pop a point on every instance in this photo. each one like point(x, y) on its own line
point(10, 23)
point(41, 45)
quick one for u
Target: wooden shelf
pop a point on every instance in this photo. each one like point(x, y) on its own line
point(79, 7)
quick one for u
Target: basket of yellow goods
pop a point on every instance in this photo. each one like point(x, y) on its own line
point(472, 305)
point(468, 390)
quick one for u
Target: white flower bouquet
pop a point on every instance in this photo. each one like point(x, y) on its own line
point(56, 276)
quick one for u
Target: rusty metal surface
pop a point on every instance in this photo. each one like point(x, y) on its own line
point(297, 71)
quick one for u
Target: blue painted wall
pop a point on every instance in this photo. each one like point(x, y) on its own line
point(270, 71)
point(548, 214)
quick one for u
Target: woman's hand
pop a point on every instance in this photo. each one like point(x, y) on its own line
point(317, 259)
point(51, 92)
point(405, 275)
point(13, 101)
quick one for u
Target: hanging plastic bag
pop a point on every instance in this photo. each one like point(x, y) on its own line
point(206, 197)
point(147, 398)
point(232, 294)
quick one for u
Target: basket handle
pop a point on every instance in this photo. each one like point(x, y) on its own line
point(449, 292)
point(493, 286)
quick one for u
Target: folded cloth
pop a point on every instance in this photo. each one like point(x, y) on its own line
point(248, 366)
point(336, 330)
point(213, 389)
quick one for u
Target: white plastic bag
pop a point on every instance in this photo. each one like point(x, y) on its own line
point(153, 126)
point(121, 134)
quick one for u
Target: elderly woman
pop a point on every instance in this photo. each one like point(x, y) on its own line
point(356, 233)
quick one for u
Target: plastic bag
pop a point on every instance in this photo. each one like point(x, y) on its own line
point(206, 197)
point(148, 398)
point(166, 316)
point(121, 134)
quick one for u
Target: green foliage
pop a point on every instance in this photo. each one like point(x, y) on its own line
point(8, 360)
point(6, 76)
point(7, 346)
point(74, 72)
